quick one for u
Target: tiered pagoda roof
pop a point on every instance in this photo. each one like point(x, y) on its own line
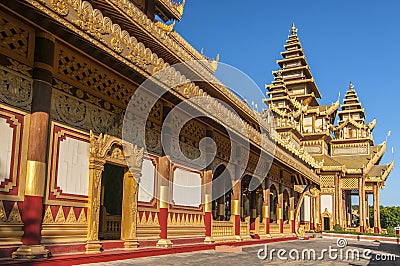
point(293, 92)
point(351, 125)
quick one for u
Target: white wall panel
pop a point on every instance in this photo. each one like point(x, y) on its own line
point(307, 208)
point(146, 184)
point(6, 141)
point(326, 203)
point(186, 188)
point(73, 166)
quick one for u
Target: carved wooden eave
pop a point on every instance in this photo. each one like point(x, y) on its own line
point(173, 10)
point(296, 164)
point(332, 109)
point(387, 171)
point(375, 159)
point(165, 27)
point(119, 44)
point(278, 111)
point(90, 24)
point(354, 171)
point(338, 168)
point(372, 125)
point(300, 153)
point(298, 189)
point(346, 122)
point(174, 45)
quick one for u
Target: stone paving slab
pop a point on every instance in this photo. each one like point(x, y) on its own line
point(249, 255)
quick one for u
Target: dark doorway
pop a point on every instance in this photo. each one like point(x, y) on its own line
point(327, 224)
point(111, 202)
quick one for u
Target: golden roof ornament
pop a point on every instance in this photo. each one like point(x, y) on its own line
point(181, 7)
point(166, 28)
point(294, 30)
point(351, 86)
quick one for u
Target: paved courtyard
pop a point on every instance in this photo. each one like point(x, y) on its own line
point(305, 248)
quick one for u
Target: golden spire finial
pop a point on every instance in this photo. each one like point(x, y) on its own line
point(351, 86)
point(181, 7)
point(294, 30)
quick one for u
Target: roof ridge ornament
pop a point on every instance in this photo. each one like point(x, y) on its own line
point(351, 86)
point(293, 30)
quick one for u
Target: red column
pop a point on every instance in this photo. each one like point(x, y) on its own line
point(279, 210)
point(207, 206)
point(164, 170)
point(361, 195)
point(267, 206)
point(32, 209)
point(291, 212)
point(235, 206)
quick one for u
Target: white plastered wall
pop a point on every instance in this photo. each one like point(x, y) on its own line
point(73, 166)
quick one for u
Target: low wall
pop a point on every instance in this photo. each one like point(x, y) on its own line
point(384, 239)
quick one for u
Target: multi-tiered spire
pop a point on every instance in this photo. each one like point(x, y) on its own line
point(351, 107)
point(296, 72)
point(293, 95)
point(352, 119)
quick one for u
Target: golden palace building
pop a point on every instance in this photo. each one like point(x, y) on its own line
point(68, 69)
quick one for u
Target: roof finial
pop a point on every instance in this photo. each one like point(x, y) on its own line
point(351, 86)
point(294, 30)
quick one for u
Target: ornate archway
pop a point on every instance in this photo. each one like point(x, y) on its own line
point(327, 222)
point(273, 203)
point(286, 206)
point(107, 149)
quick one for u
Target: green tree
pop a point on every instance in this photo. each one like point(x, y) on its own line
point(390, 217)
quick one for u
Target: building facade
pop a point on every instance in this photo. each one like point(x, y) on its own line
point(68, 70)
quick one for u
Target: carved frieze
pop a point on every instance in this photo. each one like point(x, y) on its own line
point(16, 85)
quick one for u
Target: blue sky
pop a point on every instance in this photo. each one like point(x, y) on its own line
point(343, 41)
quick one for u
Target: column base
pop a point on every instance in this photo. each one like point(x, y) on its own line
point(31, 252)
point(164, 243)
point(266, 236)
point(131, 244)
point(208, 240)
point(238, 238)
point(93, 247)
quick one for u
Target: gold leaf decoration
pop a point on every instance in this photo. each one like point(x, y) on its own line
point(60, 218)
point(82, 217)
point(15, 216)
point(71, 218)
point(48, 216)
point(3, 217)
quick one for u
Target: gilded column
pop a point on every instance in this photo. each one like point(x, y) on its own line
point(207, 206)
point(235, 207)
point(130, 198)
point(312, 213)
point(266, 206)
point(291, 211)
point(366, 211)
point(96, 167)
point(378, 206)
point(318, 211)
point(253, 210)
point(279, 210)
point(361, 208)
point(375, 188)
point(337, 200)
point(164, 170)
point(32, 209)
